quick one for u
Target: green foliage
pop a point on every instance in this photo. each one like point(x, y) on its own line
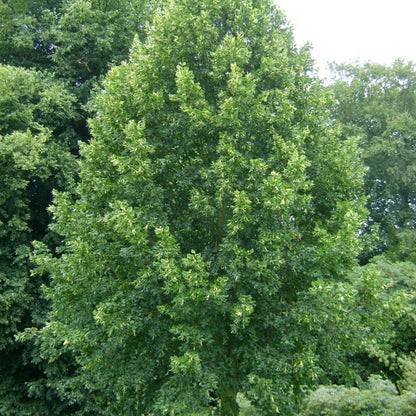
point(32, 163)
point(378, 103)
point(213, 196)
point(383, 306)
point(377, 397)
point(351, 319)
point(91, 35)
point(30, 100)
point(73, 43)
point(76, 41)
point(399, 292)
point(30, 112)
point(25, 32)
point(376, 306)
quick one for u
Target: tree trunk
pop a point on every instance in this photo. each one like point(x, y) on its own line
point(229, 405)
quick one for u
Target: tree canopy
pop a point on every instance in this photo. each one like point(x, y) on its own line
point(49, 65)
point(198, 253)
point(378, 103)
point(34, 159)
point(214, 197)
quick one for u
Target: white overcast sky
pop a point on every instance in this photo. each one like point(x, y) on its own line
point(348, 30)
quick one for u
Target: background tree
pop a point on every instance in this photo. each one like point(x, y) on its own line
point(42, 118)
point(34, 158)
point(378, 103)
point(376, 397)
point(380, 299)
point(76, 41)
point(212, 196)
point(90, 36)
point(25, 33)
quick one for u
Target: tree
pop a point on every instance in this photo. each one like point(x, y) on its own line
point(76, 41)
point(25, 33)
point(378, 103)
point(79, 39)
point(32, 162)
point(42, 118)
point(89, 36)
point(376, 397)
point(213, 195)
point(383, 306)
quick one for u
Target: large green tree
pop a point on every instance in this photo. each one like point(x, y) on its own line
point(378, 104)
point(214, 201)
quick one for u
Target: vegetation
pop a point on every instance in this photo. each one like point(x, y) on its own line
point(35, 158)
point(227, 236)
point(376, 397)
point(378, 104)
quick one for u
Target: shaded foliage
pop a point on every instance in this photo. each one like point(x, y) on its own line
point(59, 50)
point(378, 104)
point(34, 159)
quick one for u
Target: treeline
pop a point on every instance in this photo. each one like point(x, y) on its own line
point(191, 223)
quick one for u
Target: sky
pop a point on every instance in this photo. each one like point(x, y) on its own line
point(354, 30)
